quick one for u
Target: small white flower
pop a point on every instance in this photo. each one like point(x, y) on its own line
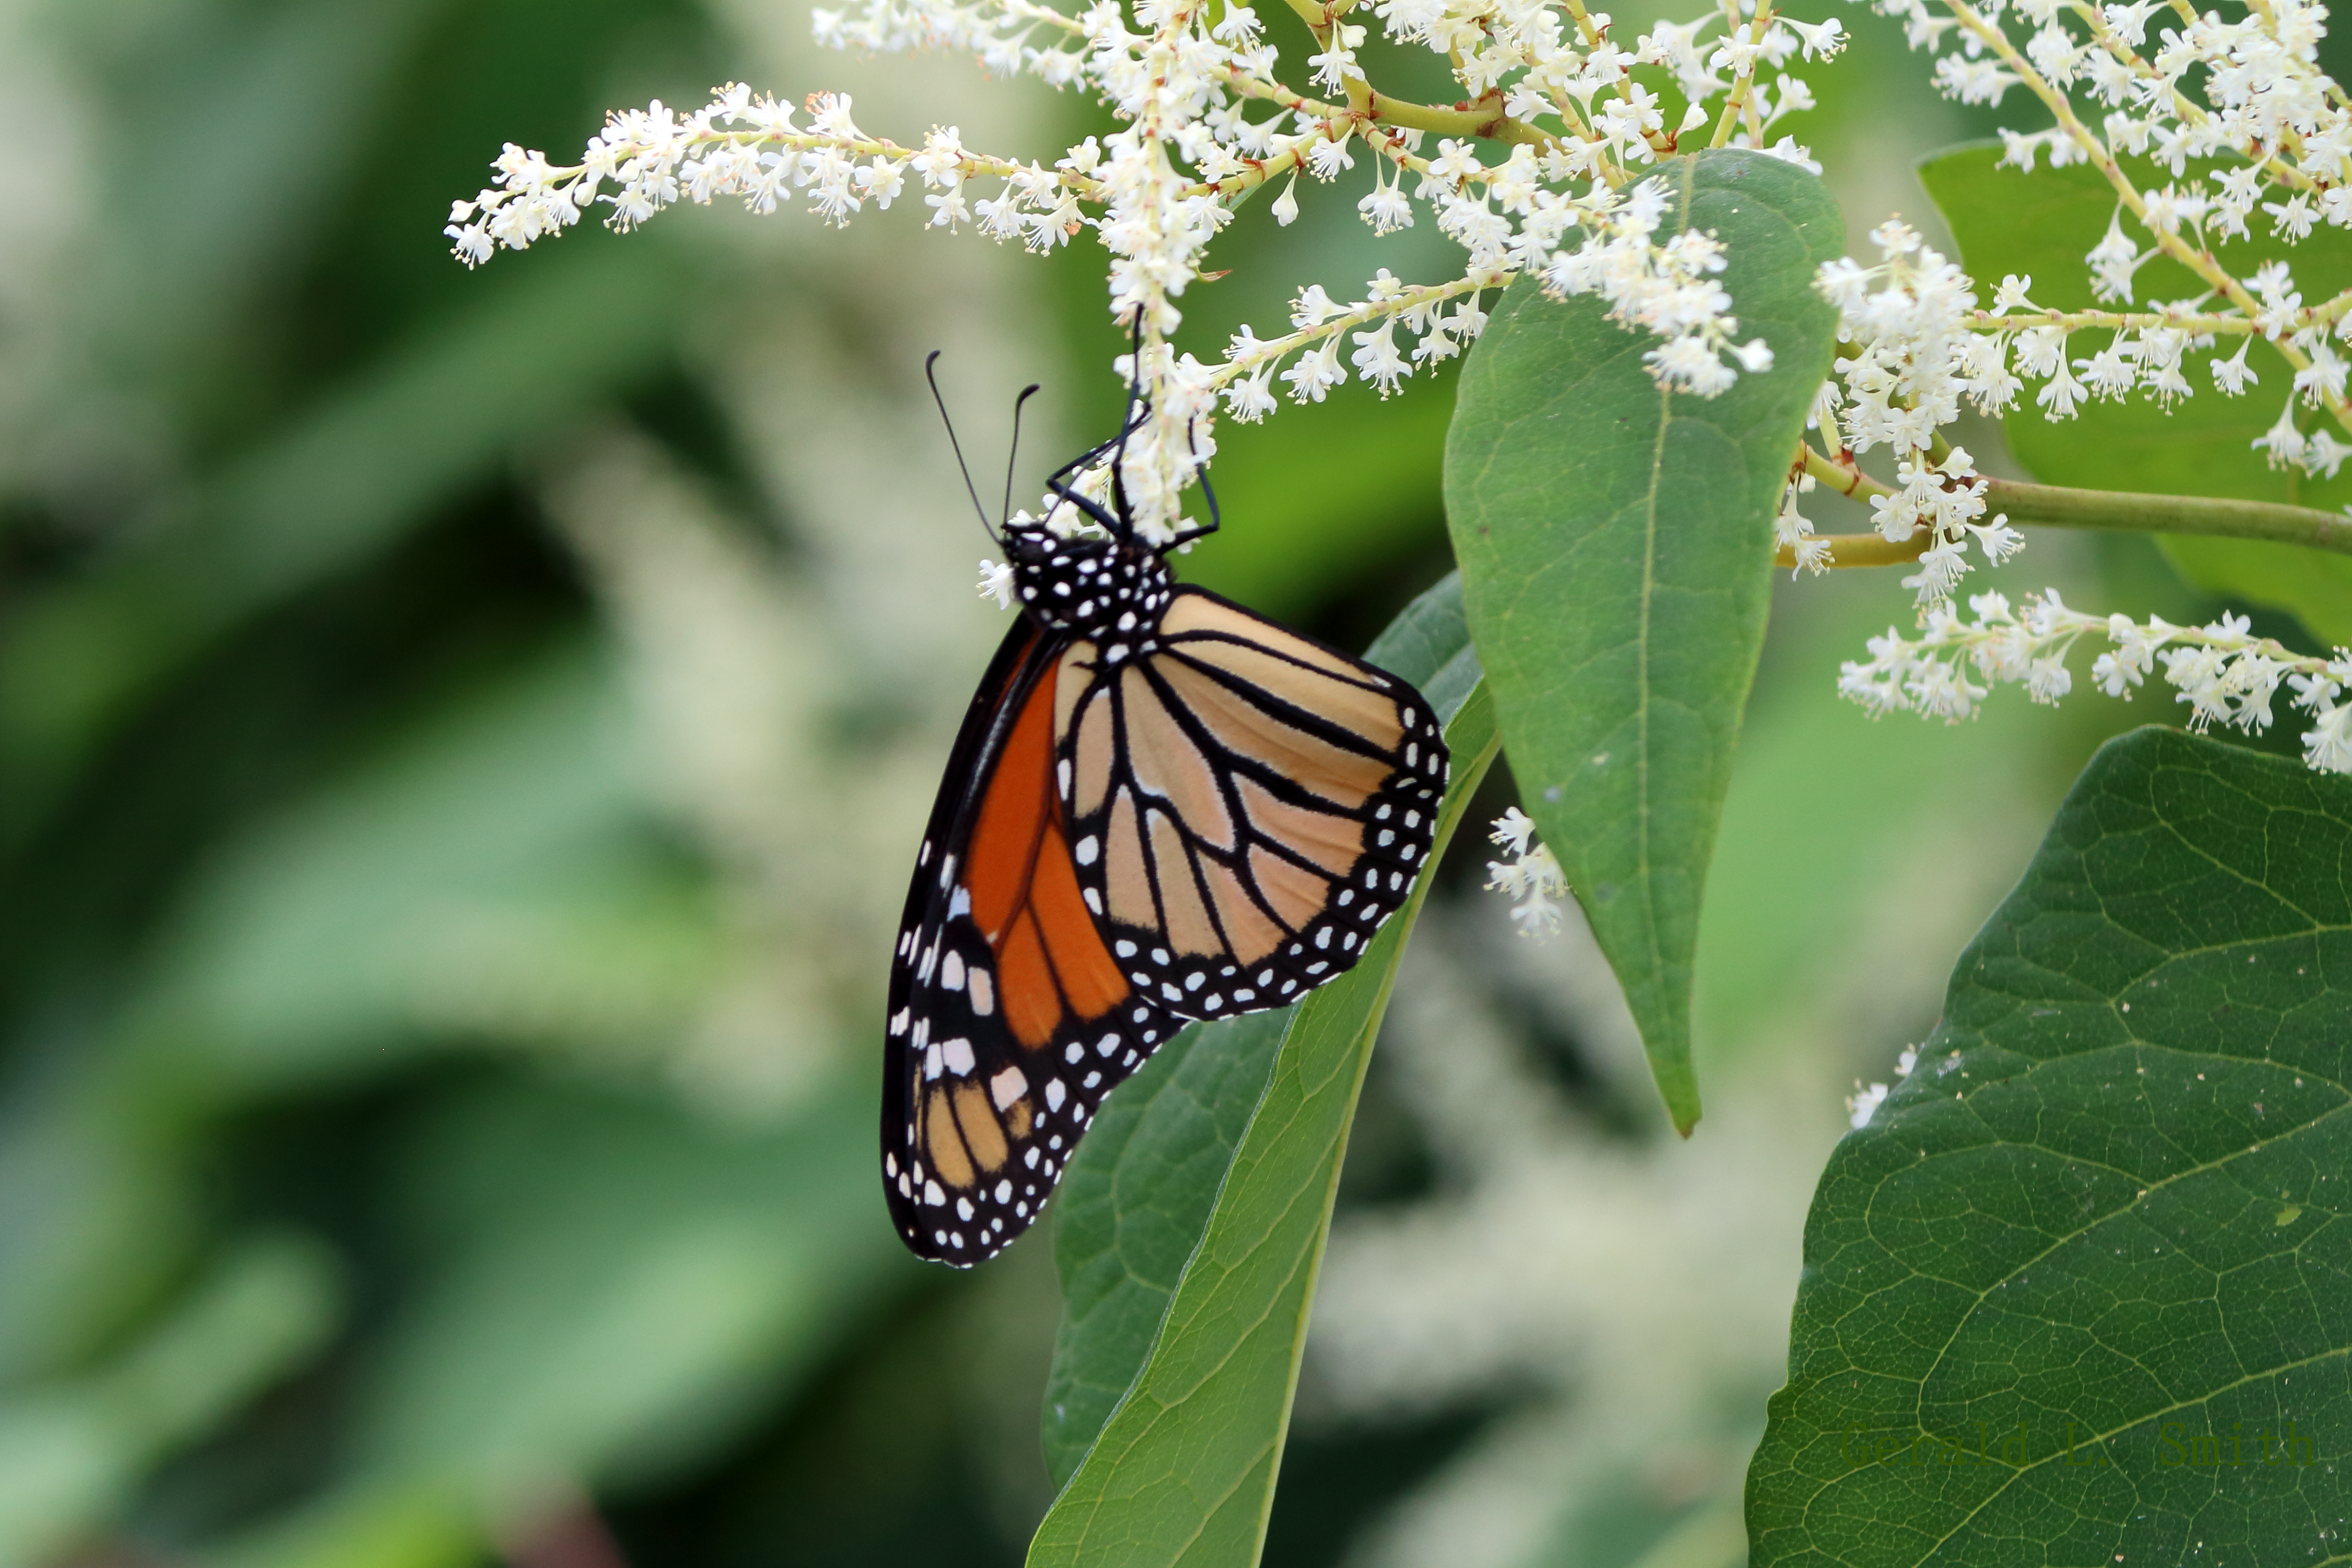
point(1376, 358)
point(1285, 206)
point(2233, 375)
point(1512, 830)
point(996, 582)
point(1532, 878)
point(1823, 39)
point(1387, 209)
point(2328, 744)
point(2282, 444)
point(1315, 373)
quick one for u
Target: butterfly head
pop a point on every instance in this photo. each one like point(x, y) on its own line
point(1105, 590)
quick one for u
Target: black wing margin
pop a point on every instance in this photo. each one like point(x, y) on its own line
point(1246, 806)
point(1008, 1021)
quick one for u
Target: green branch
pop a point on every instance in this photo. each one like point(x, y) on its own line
point(2057, 506)
point(1483, 117)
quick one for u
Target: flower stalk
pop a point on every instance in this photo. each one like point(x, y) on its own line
point(2063, 506)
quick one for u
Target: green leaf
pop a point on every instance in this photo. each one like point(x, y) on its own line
point(1132, 1208)
point(1139, 1192)
point(1183, 1470)
point(494, 874)
point(610, 1286)
point(2102, 1221)
point(2040, 226)
point(1616, 545)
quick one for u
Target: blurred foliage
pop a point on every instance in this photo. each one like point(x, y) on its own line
point(460, 736)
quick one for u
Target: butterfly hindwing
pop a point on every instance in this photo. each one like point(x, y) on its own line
point(1245, 806)
point(1008, 1019)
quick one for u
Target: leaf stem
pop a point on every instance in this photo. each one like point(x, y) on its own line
point(2060, 506)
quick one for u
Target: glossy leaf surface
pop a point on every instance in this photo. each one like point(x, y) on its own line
point(2081, 1291)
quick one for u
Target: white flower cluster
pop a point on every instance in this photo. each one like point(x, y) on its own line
point(1206, 120)
point(2245, 129)
point(2224, 674)
point(1915, 362)
point(1531, 878)
point(2236, 118)
point(2224, 144)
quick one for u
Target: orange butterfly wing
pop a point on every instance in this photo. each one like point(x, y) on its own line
point(1008, 1020)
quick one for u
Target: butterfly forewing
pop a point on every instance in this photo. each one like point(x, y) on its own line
point(1009, 1021)
point(1246, 806)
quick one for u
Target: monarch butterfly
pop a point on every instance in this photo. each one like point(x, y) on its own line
point(1161, 808)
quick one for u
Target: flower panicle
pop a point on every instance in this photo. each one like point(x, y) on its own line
point(1205, 117)
point(2240, 134)
point(2221, 672)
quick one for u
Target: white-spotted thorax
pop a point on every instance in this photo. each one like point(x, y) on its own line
point(1103, 589)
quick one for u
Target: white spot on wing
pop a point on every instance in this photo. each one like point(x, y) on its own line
point(958, 1055)
point(1007, 1087)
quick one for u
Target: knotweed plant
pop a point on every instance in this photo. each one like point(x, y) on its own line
point(2219, 155)
point(2213, 133)
point(2227, 150)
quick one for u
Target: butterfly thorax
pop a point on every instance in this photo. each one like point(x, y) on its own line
point(1107, 591)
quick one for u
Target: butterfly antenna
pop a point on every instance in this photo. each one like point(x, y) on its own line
point(955, 446)
point(1026, 393)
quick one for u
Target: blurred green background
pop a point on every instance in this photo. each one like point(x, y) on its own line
point(461, 738)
